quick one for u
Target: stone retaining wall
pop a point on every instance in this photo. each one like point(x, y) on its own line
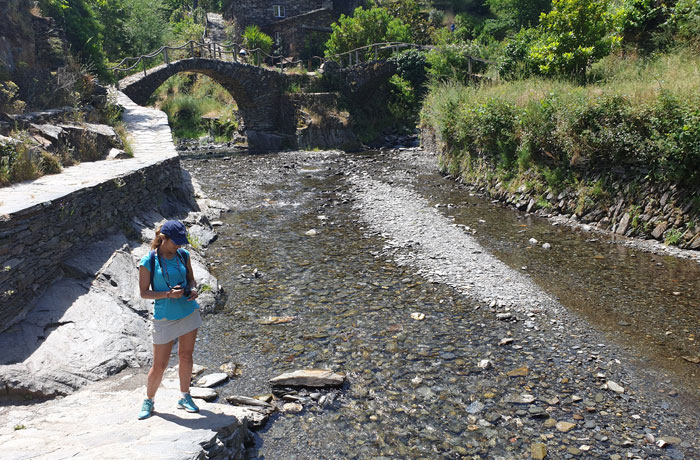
point(633, 206)
point(35, 240)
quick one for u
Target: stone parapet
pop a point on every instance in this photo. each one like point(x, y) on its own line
point(46, 221)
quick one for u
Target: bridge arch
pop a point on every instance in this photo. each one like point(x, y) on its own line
point(268, 116)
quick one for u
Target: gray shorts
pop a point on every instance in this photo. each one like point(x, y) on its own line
point(166, 330)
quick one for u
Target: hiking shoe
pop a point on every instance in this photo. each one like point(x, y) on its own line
point(146, 409)
point(187, 404)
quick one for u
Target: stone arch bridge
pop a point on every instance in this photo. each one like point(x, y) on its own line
point(267, 109)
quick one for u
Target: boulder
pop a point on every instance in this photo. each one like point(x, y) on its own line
point(91, 141)
point(309, 378)
point(659, 230)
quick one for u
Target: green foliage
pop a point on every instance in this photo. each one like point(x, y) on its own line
point(519, 13)
point(573, 35)
point(49, 163)
point(82, 28)
point(419, 22)
point(314, 45)
point(514, 63)
point(638, 22)
point(9, 98)
point(17, 162)
point(685, 22)
point(186, 98)
point(454, 62)
point(403, 103)
point(411, 66)
point(562, 129)
point(365, 27)
point(254, 38)
point(673, 237)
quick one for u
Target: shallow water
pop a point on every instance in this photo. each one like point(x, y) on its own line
point(409, 381)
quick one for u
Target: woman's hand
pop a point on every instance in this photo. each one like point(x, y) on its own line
point(176, 292)
point(194, 294)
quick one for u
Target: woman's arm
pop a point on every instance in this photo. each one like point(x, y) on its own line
point(145, 287)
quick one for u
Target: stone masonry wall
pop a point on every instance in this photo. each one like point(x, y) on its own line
point(260, 13)
point(636, 207)
point(293, 31)
point(34, 241)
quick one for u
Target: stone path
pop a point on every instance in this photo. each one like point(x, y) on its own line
point(150, 139)
point(99, 422)
point(216, 28)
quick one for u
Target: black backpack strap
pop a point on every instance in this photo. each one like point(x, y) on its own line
point(152, 263)
point(183, 256)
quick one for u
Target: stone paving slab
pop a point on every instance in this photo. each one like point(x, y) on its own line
point(150, 138)
point(100, 421)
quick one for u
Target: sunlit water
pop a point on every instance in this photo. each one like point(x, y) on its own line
point(409, 381)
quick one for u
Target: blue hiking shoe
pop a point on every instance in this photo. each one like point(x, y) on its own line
point(146, 409)
point(187, 404)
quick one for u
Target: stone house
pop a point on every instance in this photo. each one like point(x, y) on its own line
point(293, 24)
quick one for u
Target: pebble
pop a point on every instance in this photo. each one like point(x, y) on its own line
point(612, 386)
point(538, 451)
point(565, 427)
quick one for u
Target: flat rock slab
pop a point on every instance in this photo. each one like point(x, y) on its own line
point(212, 380)
point(206, 394)
point(309, 378)
point(99, 421)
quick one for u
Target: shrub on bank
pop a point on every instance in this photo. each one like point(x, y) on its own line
point(644, 121)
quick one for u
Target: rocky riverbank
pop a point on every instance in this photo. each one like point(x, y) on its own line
point(625, 204)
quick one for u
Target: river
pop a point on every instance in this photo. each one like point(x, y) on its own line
point(301, 241)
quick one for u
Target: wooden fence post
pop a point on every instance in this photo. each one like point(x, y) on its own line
point(144, 66)
point(165, 56)
point(236, 50)
point(191, 49)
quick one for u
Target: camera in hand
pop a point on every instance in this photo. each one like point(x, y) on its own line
point(186, 291)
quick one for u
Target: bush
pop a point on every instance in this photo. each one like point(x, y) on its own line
point(625, 127)
point(572, 36)
point(454, 61)
point(410, 65)
point(365, 27)
point(254, 38)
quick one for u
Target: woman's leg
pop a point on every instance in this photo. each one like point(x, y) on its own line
point(161, 356)
point(185, 347)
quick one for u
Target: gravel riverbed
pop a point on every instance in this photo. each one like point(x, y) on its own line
point(484, 365)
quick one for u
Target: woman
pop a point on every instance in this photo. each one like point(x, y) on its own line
point(165, 275)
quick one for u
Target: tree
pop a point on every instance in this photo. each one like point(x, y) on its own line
point(419, 22)
point(365, 27)
point(572, 36)
point(520, 13)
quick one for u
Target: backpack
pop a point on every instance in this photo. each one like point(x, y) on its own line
point(181, 254)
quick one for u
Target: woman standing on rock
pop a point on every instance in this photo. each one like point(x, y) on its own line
point(165, 275)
